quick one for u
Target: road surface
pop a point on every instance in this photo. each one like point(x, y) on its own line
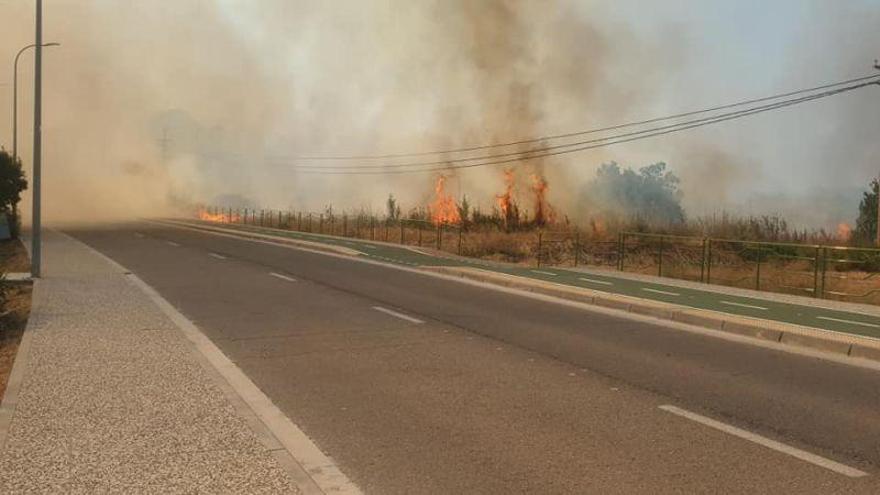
point(416, 384)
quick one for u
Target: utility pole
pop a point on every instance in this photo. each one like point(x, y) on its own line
point(877, 66)
point(163, 143)
point(38, 111)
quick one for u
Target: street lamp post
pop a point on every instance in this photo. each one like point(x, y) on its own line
point(15, 97)
point(36, 241)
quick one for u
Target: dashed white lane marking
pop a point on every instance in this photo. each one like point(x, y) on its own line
point(741, 305)
point(282, 277)
point(766, 442)
point(397, 315)
point(172, 243)
point(658, 291)
point(218, 256)
point(542, 272)
point(595, 281)
point(851, 322)
point(139, 235)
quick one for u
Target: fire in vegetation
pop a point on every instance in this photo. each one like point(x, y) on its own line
point(443, 210)
point(844, 232)
point(544, 213)
point(506, 201)
point(219, 217)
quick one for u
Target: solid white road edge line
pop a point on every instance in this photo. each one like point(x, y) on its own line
point(311, 462)
point(851, 322)
point(741, 305)
point(218, 256)
point(594, 281)
point(398, 315)
point(282, 277)
point(658, 291)
point(766, 442)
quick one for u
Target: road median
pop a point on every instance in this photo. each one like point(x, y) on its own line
point(791, 335)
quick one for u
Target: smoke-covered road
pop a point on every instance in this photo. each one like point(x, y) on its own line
point(416, 384)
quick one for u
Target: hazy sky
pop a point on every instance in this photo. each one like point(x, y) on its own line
point(231, 81)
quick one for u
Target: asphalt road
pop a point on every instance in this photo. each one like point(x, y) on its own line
point(416, 384)
point(706, 297)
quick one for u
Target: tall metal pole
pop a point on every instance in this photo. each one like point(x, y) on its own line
point(877, 66)
point(38, 117)
point(15, 98)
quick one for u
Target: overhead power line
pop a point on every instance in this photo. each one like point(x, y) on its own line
point(580, 133)
point(586, 145)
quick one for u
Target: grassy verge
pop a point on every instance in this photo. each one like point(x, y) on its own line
point(15, 307)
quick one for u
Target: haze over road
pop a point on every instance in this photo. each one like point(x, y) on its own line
point(418, 384)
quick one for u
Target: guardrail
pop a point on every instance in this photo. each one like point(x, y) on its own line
point(830, 272)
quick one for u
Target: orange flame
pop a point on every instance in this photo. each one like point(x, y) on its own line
point(207, 216)
point(543, 211)
point(443, 209)
point(505, 201)
point(844, 231)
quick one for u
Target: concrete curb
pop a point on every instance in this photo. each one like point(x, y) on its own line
point(796, 336)
point(310, 469)
point(317, 246)
point(19, 368)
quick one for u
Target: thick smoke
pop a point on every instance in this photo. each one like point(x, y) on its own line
point(153, 105)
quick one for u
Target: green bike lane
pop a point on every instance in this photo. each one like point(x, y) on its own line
point(847, 322)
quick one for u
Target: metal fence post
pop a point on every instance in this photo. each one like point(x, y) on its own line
point(299, 221)
point(816, 273)
point(439, 236)
point(310, 223)
point(420, 234)
point(621, 250)
point(402, 238)
point(344, 225)
point(262, 216)
point(758, 270)
point(824, 268)
point(708, 261)
point(254, 216)
point(459, 238)
point(577, 247)
point(245, 216)
point(703, 260)
point(540, 246)
point(372, 229)
point(660, 260)
point(279, 218)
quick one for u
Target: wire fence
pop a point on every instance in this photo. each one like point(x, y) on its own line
point(829, 272)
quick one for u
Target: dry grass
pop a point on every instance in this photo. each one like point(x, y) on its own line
point(596, 246)
point(15, 307)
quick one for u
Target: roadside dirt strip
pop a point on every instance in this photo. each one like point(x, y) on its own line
point(853, 347)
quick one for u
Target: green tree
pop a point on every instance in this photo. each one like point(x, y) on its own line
point(866, 224)
point(650, 196)
point(12, 183)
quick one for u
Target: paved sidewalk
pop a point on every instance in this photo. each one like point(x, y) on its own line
point(113, 398)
